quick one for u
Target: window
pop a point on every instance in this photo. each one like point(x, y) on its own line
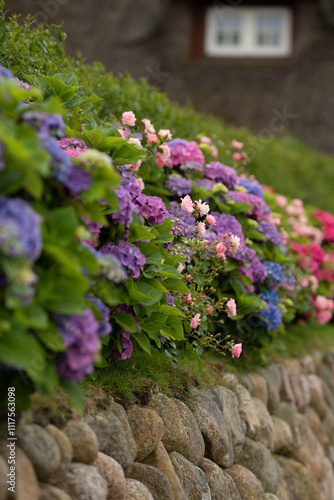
point(248, 32)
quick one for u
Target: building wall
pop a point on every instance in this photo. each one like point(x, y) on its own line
point(162, 39)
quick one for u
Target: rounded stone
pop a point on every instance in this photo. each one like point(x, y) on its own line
point(155, 480)
point(221, 485)
point(258, 459)
point(100, 426)
point(247, 484)
point(283, 439)
point(310, 453)
point(265, 433)
point(137, 491)
point(217, 437)
point(83, 482)
point(83, 440)
point(62, 440)
point(4, 470)
point(41, 449)
point(159, 459)
point(118, 444)
point(271, 496)
point(282, 493)
point(48, 492)
point(26, 487)
point(194, 447)
point(113, 474)
point(120, 413)
point(257, 386)
point(300, 484)
point(228, 404)
point(147, 429)
point(174, 437)
point(192, 479)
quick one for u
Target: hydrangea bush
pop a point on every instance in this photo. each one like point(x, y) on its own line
point(116, 234)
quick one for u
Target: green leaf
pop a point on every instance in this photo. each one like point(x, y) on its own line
point(237, 286)
point(165, 235)
point(62, 223)
point(140, 232)
point(82, 101)
point(154, 323)
point(75, 395)
point(174, 328)
point(171, 310)
point(143, 341)
point(152, 293)
point(255, 235)
point(175, 285)
point(126, 321)
point(151, 252)
point(239, 207)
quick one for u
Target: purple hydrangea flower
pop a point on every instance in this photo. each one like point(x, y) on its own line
point(206, 184)
point(270, 232)
point(252, 187)
point(45, 123)
point(5, 72)
point(152, 208)
point(20, 229)
point(259, 210)
point(125, 206)
point(184, 222)
point(184, 152)
point(110, 266)
point(128, 254)
point(225, 224)
point(74, 178)
point(104, 324)
point(221, 173)
point(256, 271)
point(130, 184)
point(178, 186)
point(25, 86)
point(72, 143)
point(95, 228)
point(80, 336)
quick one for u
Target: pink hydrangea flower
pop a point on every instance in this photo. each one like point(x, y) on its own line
point(209, 310)
point(214, 152)
point(210, 220)
point(236, 156)
point(195, 321)
point(314, 283)
point(129, 118)
point(149, 128)
point(304, 282)
point(236, 144)
point(323, 317)
point(205, 140)
point(201, 229)
point(236, 350)
point(281, 201)
point(330, 304)
point(203, 207)
point(165, 134)
point(162, 157)
point(187, 204)
point(221, 249)
point(232, 308)
point(320, 302)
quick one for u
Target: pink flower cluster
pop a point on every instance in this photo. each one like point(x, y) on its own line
point(327, 221)
point(299, 221)
point(323, 308)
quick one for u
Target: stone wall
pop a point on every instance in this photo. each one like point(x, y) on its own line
point(267, 436)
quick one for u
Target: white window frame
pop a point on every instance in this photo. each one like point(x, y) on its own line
point(248, 46)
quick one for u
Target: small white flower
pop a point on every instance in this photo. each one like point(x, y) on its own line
point(202, 207)
point(235, 242)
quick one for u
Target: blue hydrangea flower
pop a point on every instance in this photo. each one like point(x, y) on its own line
point(252, 187)
point(270, 232)
point(269, 296)
point(104, 324)
point(6, 73)
point(275, 273)
point(178, 186)
point(20, 229)
point(271, 317)
point(45, 123)
point(80, 336)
